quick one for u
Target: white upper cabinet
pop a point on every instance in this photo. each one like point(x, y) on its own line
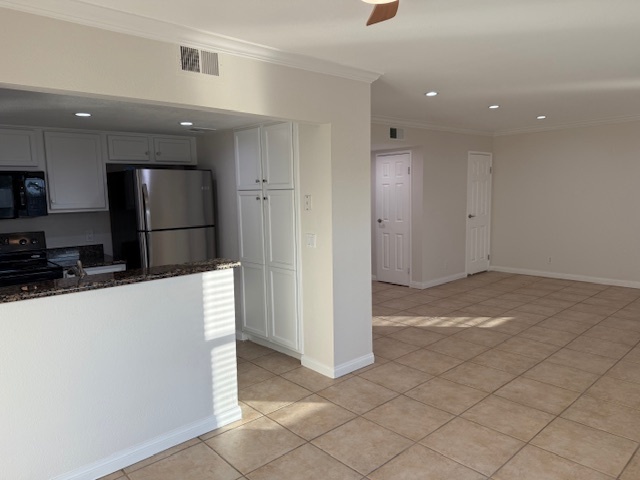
point(277, 156)
point(174, 149)
point(18, 148)
point(248, 159)
point(264, 157)
point(128, 148)
point(75, 170)
point(140, 148)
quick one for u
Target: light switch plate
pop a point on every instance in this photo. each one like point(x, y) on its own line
point(311, 240)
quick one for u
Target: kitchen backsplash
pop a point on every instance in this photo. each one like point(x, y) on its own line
point(66, 229)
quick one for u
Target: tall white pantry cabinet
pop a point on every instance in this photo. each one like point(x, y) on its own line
point(268, 233)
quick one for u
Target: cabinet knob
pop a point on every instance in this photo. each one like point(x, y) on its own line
point(146, 153)
point(257, 198)
point(264, 180)
point(157, 154)
point(264, 198)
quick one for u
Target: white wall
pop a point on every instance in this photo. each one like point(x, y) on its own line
point(439, 198)
point(95, 381)
point(64, 57)
point(571, 195)
point(66, 229)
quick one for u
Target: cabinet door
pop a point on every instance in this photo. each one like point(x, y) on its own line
point(254, 318)
point(18, 148)
point(251, 225)
point(281, 302)
point(280, 230)
point(277, 157)
point(174, 150)
point(248, 158)
point(128, 148)
point(75, 171)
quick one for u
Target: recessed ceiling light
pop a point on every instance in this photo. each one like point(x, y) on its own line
point(541, 117)
point(82, 114)
point(431, 94)
point(493, 107)
point(186, 124)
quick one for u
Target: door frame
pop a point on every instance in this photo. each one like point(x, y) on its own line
point(375, 208)
point(466, 225)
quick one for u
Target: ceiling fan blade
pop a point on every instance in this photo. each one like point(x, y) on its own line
point(383, 11)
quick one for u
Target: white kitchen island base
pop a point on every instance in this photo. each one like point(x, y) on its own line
point(94, 381)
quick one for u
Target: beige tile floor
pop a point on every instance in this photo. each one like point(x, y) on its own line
point(496, 376)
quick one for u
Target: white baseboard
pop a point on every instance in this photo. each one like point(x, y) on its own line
point(438, 281)
point(374, 278)
point(240, 335)
point(272, 346)
point(147, 449)
point(339, 370)
point(567, 276)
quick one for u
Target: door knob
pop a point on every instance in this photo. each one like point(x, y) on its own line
point(472, 216)
point(379, 220)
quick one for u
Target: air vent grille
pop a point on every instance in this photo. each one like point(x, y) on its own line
point(210, 63)
point(396, 133)
point(190, 59)
point(199, 61)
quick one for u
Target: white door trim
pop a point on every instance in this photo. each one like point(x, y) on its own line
point(410, 211)
point(467, 260)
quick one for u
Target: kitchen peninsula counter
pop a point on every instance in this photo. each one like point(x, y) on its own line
point(62, 286)
point(101, 379)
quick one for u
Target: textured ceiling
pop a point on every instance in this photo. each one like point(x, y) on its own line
point(573, 60)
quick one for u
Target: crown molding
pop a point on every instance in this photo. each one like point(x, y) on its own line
point(77, 11)
point(401, 122)
point(567, 126)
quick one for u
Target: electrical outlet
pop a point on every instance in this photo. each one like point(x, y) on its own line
point(88, 235)
point(308, 205)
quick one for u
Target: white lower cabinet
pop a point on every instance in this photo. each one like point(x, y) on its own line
point(269, 304)
point(254, 313)
point(282, 307)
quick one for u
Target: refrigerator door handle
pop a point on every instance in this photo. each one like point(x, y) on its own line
point(145, 205)
point(144, 250)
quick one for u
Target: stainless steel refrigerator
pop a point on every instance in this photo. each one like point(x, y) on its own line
point(161, 216)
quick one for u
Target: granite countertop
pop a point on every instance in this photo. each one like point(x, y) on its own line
point(89, 255)
point(94, 282)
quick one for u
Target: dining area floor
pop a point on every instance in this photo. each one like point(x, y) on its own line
point(494, 376)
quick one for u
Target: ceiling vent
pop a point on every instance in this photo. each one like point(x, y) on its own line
point(199, 61)
point(396, 133)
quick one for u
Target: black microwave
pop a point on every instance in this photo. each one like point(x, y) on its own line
point(22, 194)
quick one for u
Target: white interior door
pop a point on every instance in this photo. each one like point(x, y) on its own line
point(393, 218)
point(478, 212)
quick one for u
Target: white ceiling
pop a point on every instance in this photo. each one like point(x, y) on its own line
point(18, 107)
point(575, 61)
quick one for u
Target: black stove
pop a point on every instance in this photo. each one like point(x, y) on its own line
point(23, 259)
